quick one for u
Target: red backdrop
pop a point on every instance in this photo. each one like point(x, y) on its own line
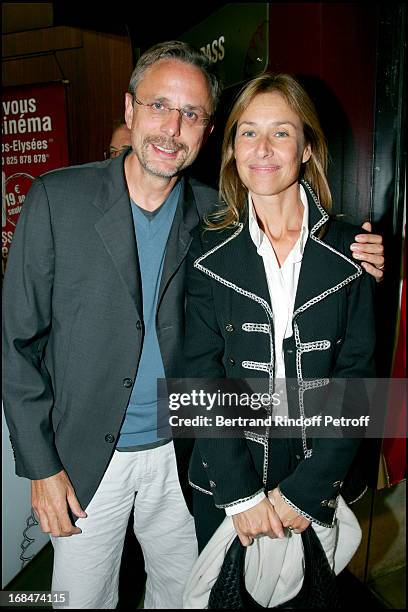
point(34, 141)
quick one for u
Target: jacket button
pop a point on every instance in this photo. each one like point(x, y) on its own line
point(138, 326)
point(232, 361)
point(127, 382)
point(212, 484)
point(324, 503)
point(339, 341)
point(109, 438)
point(229, 327)
point(205, 464)
point(338, 483)
point(289, 351)
point(297, 457)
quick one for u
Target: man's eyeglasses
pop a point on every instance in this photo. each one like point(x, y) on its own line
point(114, 152)
point(189, 116)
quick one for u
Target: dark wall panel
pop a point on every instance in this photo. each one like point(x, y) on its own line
point(96, 67)
point(332, 48)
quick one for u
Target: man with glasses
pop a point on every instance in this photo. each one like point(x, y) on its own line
point(94, 296)
point(120, 140)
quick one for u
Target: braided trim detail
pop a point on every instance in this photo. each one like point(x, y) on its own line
point(257, 327)
point(261, 366)
point(264, 440)
point(307, 452)
point(199, 488)
point(317, 345)
point(268, 311)
point(239, 501)
point(308, 516)
point(254, 437)
point(314, 229)
point(314, 384)
point(359, 497)
point(223, 281)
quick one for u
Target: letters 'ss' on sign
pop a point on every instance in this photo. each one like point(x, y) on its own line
point(235, 38)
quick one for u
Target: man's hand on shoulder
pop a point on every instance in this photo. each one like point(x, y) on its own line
point(50, 498)
point(369, 251)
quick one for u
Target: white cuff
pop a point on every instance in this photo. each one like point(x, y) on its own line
point(246, 505)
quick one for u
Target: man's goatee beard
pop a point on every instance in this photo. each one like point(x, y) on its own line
point(165, 143)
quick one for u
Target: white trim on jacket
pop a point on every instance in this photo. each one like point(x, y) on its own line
point(301, 347)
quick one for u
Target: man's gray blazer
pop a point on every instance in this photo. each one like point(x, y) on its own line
point(73, 320)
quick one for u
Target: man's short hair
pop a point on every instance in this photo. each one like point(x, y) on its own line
point(183, 52)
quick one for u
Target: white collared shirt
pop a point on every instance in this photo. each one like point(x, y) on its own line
point(282, 280)
point(282, 284)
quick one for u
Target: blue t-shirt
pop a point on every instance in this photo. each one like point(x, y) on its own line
point(152, 232)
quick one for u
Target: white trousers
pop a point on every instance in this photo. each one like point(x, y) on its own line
point(87, 564)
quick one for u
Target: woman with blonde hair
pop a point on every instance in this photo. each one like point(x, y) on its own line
point(273, 293)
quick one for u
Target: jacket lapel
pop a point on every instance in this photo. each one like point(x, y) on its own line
point(324, 269)
point(116, 230)
point(185, 220)
point(235, 263)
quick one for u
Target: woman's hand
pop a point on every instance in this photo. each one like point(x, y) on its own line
point(289, 517)
point(369, 249)
point(259, 520)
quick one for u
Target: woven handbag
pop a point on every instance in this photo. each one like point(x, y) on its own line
point(319, 588)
